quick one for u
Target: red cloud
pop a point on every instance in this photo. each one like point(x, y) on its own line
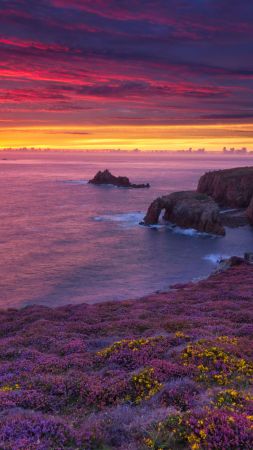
point(32, 44)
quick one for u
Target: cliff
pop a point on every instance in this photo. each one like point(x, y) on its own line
point(229, 187)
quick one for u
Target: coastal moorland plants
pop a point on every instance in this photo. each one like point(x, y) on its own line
point(170, 371)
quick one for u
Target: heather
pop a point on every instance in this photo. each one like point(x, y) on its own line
point(173, 370)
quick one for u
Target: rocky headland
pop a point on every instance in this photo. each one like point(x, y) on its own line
point(229, 187)
point(106, 177)
point(223, 198)
point(171, 370)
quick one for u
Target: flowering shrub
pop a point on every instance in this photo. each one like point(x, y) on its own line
point(221, 430)
point(144, 385)
point(217, 429)
point(227, 340)
point(9, 388)
point(35, 432)
point(166, 370)
point(131, 353)
point(168, 434)
point(233, 400)
point(180, 394)
point(215, 365)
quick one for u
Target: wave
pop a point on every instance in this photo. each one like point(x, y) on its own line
point(136, 218)
point(215, 258)
point(188, 231)
point(124, 219)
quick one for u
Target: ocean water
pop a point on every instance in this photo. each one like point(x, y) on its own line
point(63, 241)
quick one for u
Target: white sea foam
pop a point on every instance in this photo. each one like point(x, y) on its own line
point(188, 231)
point(215, 258)
point(123, 219)
point(135, 218)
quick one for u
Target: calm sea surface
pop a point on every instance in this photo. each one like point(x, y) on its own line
point(64, 241)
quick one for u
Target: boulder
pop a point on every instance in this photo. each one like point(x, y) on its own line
point(229, 187)
point(187, 209)
point(106, 177)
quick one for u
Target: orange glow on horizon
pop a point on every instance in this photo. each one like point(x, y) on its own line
point(127, 137)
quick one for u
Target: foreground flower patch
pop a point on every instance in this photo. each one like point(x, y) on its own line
point(171, 371)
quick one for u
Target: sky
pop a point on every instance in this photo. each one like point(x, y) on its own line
point(96, 74)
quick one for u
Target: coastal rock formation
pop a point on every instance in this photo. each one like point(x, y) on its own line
point(233, 261)
point(248, 257)
point(106, 177)
point(234, 218)
point(229, 187)
point(249, 212)
point(187, 209)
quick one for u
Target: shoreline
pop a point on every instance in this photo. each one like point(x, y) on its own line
point(194, 282)
point(168, 290)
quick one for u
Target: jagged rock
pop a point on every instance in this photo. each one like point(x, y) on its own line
point(187, 209)
point(233, 261)
point(229, 187)
point(106, 177)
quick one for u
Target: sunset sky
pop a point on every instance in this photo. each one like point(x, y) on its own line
point(95, 74)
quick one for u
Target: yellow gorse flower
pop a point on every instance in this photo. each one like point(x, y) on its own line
point(8, 388)
point(145, 385)
point(132, 344)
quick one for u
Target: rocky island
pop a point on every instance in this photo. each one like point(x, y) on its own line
point(205, 209)
point(106, 177)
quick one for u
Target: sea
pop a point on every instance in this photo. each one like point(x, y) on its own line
point(64, 241)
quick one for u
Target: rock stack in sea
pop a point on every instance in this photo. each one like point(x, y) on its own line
point(106, 177)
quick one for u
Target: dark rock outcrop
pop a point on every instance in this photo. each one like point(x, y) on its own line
point(234, 218)
point(106, 177)
point(229, 187)
point(249, 212)
point(233, 261)
point(187, 209)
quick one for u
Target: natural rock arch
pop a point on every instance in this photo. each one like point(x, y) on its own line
point(187, 209)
